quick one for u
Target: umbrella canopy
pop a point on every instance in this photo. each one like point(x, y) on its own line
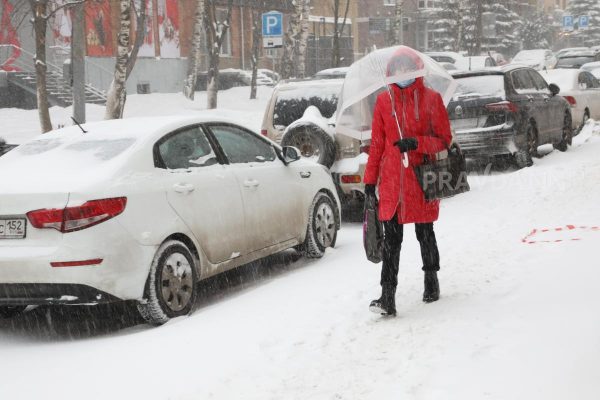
point(370, 75)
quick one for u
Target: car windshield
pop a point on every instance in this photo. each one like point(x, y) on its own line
point(574, 62)
point(291, 104)
point(481, 85)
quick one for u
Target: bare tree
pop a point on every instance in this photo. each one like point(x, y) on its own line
point(256, 36)
point(117, 94)
point(195, 51)
point(289, 41)
point(398, 28)
point(303, 39)
point(217, 31)
point(338, 30)
point(140, 34)
point(39, 9)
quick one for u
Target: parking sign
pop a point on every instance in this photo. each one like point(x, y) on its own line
point(568, 23)
point(584, 22)
point(272, 24)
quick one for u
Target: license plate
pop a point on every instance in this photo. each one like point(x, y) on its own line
point(12, 228)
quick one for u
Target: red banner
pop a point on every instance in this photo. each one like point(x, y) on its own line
point(147, 48)
point(8, 35)
point(98, 29)
point(168, 28)
point(62, 25)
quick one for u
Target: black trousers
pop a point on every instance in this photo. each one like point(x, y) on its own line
point(393, 234)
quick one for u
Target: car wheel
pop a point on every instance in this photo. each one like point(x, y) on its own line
point(523, 157)
point(567, 134)
point(11, 311)
point(322, 227)
point(313, 143)
point(171, 286)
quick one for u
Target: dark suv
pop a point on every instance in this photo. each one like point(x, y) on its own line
point(509, 110)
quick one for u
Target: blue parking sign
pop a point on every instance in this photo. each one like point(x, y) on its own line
point(584, 22)
point(272, 24)
point(568, 23)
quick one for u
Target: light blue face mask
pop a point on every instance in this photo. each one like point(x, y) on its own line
point(406, 83)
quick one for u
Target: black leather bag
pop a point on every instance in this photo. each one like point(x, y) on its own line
point(372, 230)
point(445, 176)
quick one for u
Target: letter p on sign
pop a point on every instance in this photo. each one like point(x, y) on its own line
point(272, 24)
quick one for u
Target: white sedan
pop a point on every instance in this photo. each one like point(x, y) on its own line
point(593, 67)
point(581, 89)
point(143, 209)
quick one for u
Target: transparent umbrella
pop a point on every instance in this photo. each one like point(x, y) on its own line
point(372, 74)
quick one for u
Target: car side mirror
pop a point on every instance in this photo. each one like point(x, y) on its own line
point(290, 154)
point(554, 89)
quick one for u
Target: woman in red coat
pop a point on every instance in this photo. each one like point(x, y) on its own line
point(426, 131)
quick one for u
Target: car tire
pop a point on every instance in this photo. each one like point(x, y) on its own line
point(11, 311)
point(321, 232)
point(171, 286)
point(524, 157)
point(567, 134)
point(313, 143)
point(586, 117)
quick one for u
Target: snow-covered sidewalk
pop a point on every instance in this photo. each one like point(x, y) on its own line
point(515, 321)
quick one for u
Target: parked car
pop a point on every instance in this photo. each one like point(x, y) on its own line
point(562, 52)
point(537, 59)
point(581, 89)
point(302, 114)
point(445, 56)
point(474, 63)
point(4, 147)
point(593, 67)
point(577, 59)
point(332, 73)
point(143, 209)
point(508, 110)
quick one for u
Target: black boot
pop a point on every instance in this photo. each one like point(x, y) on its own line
point(386, 304)
point(432, 287)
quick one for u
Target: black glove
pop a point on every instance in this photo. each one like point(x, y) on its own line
point(369, 190)
point(407, 144)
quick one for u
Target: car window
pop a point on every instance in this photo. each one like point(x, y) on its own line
point(188, 148)
point(241, 146)
point(539, 82)
point(590, 80)
point(522, 81)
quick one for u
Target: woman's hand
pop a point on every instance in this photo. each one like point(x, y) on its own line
point(407, 144)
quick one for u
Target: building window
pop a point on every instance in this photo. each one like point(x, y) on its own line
point(429, 4)
point(226, 44)
point(389, 2)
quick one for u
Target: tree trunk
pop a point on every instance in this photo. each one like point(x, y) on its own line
point(39, 9)
point(195, 52)
point(116, 95)
point(140, 35)
point(289, 42)
point(217, 31)
point(398, 26)
point(256, 36)
point(338, 31)
point(303, 40)
point(478, 29)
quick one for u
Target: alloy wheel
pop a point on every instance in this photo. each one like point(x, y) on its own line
point(176, 282)
point(325, 225)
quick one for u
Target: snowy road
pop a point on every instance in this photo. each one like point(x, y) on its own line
point(515, 321)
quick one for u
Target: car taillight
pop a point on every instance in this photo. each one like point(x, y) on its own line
point(72, 219)
point(264, 132)
point(351, 179)
point(571, 100)
point(502, 106)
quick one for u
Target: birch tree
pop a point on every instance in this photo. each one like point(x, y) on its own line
point(117, 94)
point(338, 30)
point(289, 41)
point(194, 58)
point(217, 31)
point(255, 53)
point(303, 37)
point(39, 10)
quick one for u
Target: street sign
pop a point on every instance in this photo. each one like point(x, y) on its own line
point(568, 23)
point(272, 24)
point(584, 22)
point(272, 42)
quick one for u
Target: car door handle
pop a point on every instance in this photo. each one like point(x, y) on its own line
point(251, 183)
point(183, 188)
point(305, 174)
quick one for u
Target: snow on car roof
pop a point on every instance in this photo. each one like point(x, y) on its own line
point(565, 78)
point(286, 85)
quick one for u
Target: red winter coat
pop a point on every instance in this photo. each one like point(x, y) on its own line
point(422, 115)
